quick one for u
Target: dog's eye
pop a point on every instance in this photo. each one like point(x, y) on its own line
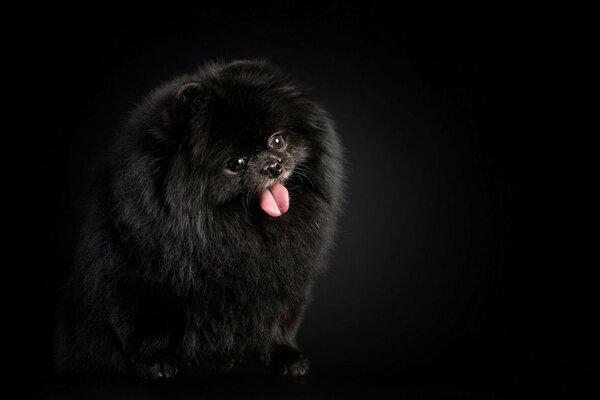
point(277, 142)
point(236, 164)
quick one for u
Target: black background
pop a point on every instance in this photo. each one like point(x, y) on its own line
point(456, 272)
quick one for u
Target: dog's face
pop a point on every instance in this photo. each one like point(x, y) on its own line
point(251, 136)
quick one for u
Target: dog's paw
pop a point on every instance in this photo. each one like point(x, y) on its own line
point(292, 364)
point(223, 366)
point(156, 368)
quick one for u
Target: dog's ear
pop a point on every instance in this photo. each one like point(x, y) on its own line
point(188, 113)
point(183, 112)
point(189, 105)
point(188, 94)
point(188, 100)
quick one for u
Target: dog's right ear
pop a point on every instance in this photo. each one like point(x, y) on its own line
point(187, 112)
point(188, 97)
point(189, 104)
point(182, 113)
point(188, 93)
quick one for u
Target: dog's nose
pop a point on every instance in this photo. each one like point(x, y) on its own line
point(272, 168)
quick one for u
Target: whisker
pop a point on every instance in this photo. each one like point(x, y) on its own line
point(301, 173)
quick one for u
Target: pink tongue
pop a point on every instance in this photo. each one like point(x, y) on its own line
point(275, 200)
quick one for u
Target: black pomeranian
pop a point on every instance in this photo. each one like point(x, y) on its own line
point(215, 212)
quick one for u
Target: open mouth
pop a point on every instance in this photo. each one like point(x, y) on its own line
point(275, 200)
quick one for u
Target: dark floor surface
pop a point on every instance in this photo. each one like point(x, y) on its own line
point(330, 381)
point(260, 385)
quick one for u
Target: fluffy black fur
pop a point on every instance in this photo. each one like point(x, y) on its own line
point(178, 267)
